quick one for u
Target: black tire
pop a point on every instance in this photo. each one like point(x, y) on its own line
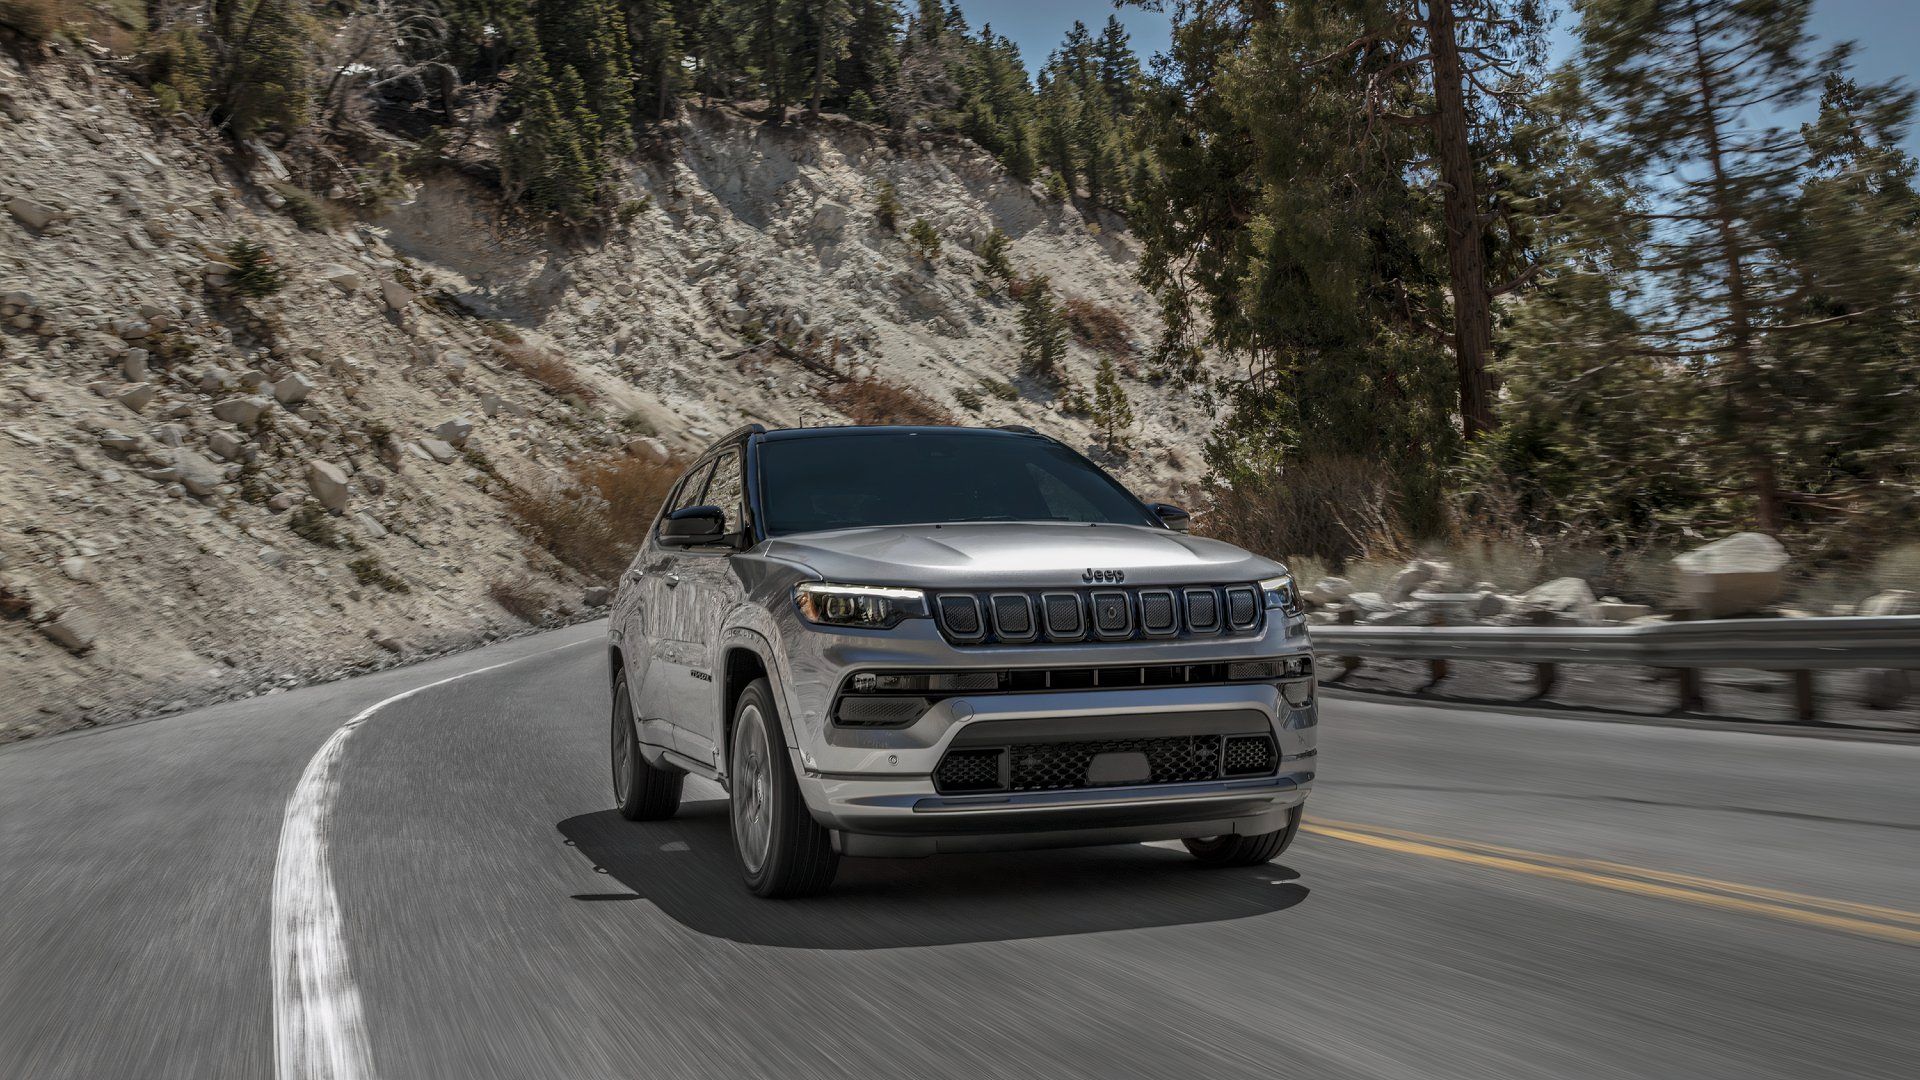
point(642, 792)
point(1245, 850)
point(782, 851)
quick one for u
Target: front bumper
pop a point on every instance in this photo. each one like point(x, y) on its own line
point(899, 811)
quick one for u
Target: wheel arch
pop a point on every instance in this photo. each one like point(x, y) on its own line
point(744, 657)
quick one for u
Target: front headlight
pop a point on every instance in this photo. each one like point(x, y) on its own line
point(865, 607)
point(1279, 592)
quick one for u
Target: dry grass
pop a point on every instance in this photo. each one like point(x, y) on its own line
point(598, 515)
point(519, 597)
point(872, 401)
point(1098, 326)
point(35, 20)
point(543, 366)
point(1336, 509)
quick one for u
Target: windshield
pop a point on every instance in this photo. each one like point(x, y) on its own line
point(850, 481)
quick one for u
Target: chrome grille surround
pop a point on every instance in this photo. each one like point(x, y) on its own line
point(960, 618)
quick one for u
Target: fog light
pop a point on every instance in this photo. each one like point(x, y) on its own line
point(1298, 694)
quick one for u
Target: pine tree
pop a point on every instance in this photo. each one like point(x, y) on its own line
point(1688, 90)
point(993, 255)
point(863, 76)
point(1043, 333)
point(1111, 409)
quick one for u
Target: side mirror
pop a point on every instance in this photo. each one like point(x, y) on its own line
point(694, 526)
point(1172, 516)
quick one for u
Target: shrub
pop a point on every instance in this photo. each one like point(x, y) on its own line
point(969, 399)
point(1335, 508)
point(35, 20)
point(886, 206)
point(552, 372)
point(924, 240)
point(1001, 389)
point(254, 273)
point(310, 211)
point(314, 525)
point(521, 598)
point(368, 571)
point(993, 256)
point(872, 401)
point(599, 513)
point(1098, 326)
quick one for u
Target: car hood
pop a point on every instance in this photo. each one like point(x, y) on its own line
point(1016, 554)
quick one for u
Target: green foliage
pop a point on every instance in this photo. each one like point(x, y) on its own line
point(1111, 409)
point(571, 102)
point(886, 206)
point(1043, 334)
point(993, 255)
point(969, 399)
point(255, 274)
point(178, 69)
point(314, 525)
point(1001, 389)
point(923, 240)
point(367, 570)
point(263, 65)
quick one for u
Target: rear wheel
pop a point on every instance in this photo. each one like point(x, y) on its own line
point(642, 792)
point(1233, 850)
point(782, 850)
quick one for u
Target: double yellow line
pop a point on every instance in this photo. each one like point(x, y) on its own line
point(1869, 920)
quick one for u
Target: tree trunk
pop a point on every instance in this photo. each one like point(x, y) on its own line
point(1466, 258)
point(1740, 330)
point(819, 71)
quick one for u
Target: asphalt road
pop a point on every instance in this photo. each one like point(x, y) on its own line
point(1475, 896)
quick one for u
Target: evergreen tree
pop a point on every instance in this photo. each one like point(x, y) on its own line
point(871, 64)
point(1688, 90)
point(1043, 333)
point(1111, 409)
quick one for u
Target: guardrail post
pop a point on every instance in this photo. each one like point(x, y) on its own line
point(1693, 697)
point(1347, 617)
point(1436, 668)
point(1803, 694)
point(1545, 675)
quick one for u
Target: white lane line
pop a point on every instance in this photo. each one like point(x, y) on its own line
point(319, 1030)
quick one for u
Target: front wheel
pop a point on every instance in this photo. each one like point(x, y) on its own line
point(642, 792)
point(782, 850)
point(1234, 850)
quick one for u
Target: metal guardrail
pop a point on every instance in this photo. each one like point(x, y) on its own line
point(1796, 646)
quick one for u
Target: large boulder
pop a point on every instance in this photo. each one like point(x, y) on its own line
point(244, 411)
point(1328, 590)
point(329, 484)
point(197, 473)
point(455, 431)
point(1741, 575)
point(1414, 577)
point(1571, 598)
point(1892, 602)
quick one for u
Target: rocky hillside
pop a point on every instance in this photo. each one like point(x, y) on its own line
point(210, 487)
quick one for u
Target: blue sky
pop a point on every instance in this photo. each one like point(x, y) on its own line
point(1887, 31)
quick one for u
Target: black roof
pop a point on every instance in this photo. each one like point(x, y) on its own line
point(1011, 431)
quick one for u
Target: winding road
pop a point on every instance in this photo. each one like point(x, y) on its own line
point(418, 874)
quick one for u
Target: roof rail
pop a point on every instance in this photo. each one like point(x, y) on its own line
point(744, 429)
point(1020, 429)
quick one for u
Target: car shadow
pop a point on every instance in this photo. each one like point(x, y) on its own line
point(685, 866)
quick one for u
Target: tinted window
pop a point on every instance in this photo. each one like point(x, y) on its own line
point(724, 491)
point(849, 481)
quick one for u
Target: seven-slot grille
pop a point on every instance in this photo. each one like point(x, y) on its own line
point(1055, 766)
point(1012, 618)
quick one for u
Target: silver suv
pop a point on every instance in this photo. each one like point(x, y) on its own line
point(900, 641)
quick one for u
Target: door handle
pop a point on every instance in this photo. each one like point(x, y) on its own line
point(670, 579)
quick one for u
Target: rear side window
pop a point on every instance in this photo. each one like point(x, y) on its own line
point(692, 486)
